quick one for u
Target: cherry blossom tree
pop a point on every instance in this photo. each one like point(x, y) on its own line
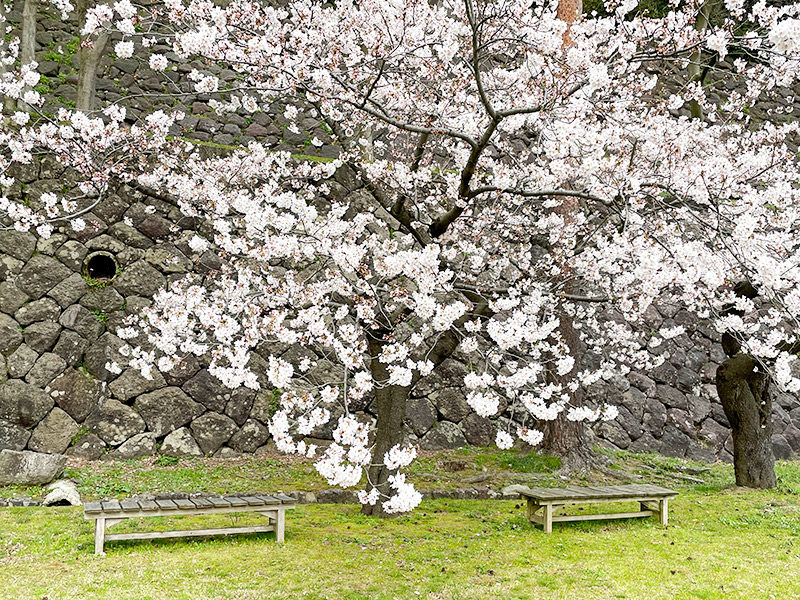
point(531, 192)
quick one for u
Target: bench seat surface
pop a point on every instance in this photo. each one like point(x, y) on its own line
point(609, 493)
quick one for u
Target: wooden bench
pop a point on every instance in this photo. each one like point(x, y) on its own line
point(110, 512)
point(651, 498)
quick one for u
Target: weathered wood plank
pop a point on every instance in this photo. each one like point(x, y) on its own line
point(148, 505)
point(166, 505)
point(111, 506)
point(598, 493)
point(235, 501)
point(202, 502)
point(269, 499)
point(219, 502)
point(92, 507)
point(155, 535)
point(284, 498)
point(184, 504)
point(600, 517)
point(127, 505)
point(253, 500)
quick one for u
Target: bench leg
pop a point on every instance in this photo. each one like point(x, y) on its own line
point(662, 509)
point(99, 535)
point(280, 525)
point(548, 518)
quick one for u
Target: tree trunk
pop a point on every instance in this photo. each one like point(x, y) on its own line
point(743, 389)
point(695, 66)
point(27, 45)
point(391, 404)
point(564, 438)
point(569, 11)
point(89, 60)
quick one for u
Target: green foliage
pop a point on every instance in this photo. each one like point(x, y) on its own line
point(166, 461)
point(101, 316)
point(274, 401)
point(96, 283)
point(77, 437)
point(532, 462)
point(43, 87)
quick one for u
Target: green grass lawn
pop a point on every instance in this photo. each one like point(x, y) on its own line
point(722, 542)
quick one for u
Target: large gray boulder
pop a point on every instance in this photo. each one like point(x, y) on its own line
point(29, 468)
point(40, 275)
point(72, 254)
point(132, 383)
point(70, 290)
point(54, 433)
point(18, 244)
point(21, 360)
point(180, 443)
point(104, 299)
point(445, 435)
point(478, 430)
point(44, 309)
point(13, 437)
point(263, 406)
point(238, 407)
point(167, 409)
point(104, 351)
point(46, 369)
point(42, 336)
point(183, 371)
point(139, 279)
point(70, 346)
point(250, 437)
point(114, 422)
point(143, 444)
point(420, 415)
point(89, 447)
point(208, 390)
point(82, 321)
point(11, 297)
point(212, 430)
point(10, 334)
point(76, 392)
point(22, 403)
point(451, 404)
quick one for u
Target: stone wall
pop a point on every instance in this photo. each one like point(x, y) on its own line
point(58, 314)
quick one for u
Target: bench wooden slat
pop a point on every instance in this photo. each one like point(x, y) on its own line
point(269, 499)
point(111, 506)
point(219, 502)
point(235, 501)
point(129, 505)
point(92, 507)
point(253, 500)
point(148, 505)
point(185, 504)
point(167, 505)
point(284, 498)
point(157, 535)
point(202, 503)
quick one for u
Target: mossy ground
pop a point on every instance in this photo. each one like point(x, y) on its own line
point(723, 542)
